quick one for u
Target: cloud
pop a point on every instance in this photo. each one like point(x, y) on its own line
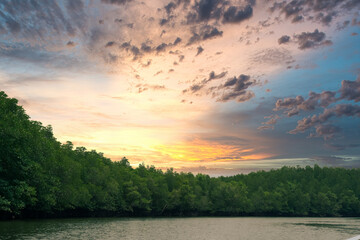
point(343, 25)
point(144, 48)
point(70, 44)
point(38, 56)
point(307, 40)
point(265, 127)
point(234, 14)
point(13, 26)
point(198, 86)
point(110, 44)
point(325, 19)
point(350, 90)
point(236, 89)
point(269, 124)
point(272, 56)
point(340, 147)
point(170, 7)
point(40, 21)
point(294, 105)
point(204, 33)
point(326, 131)
point(148, 63)
point(297, 18)
point(338, 161)
point(132, 49)
point(119, 2)
point(330, 160)
point(284, 39)
point(161, 48)
point(205, 10)
point(144, 87)
point(321, 11)
point(177, 41)
point(199, 50)
point(338, 111)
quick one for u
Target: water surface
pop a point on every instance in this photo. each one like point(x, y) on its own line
point(216, 228)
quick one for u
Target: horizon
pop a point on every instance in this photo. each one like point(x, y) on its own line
point(212, 86)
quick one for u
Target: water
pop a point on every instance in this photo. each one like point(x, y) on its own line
point(183, 228)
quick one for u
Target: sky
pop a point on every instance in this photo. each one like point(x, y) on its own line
point(208, 86)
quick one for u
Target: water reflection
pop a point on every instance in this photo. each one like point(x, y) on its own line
point(183, 228)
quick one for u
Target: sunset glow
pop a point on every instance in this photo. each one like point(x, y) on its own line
point(222, 86)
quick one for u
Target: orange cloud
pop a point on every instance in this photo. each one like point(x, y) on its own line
point(204, 151)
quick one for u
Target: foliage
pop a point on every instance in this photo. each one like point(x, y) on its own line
point(39, 176)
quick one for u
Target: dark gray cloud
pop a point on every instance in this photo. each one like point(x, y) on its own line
point(119, 2)
point(350, 90)
point(297, 18)
point(110, 44)
point(326, 131)
point(161, 48)
point(292, 8)
point(24, 53)
point(340, 147)
point(343, 25)
point(177, 41)
point(200, 85)
point(314, 39)
point(234, 14)
point(38, 56)
point(164, 21)
point(42, 20)
point(338, 111)
point(70, 44)
point(211, 33)
point(213, 76)
point(145, 48)
point(76, 12)
point(210, 10)
point(205, 10)
point(236, 88)
point(284, 39)
point(170, 7)
point(13, 26)
point(204, 33)
point(337, 161)
point(110, 58)
point(325, 19)
point(355, 22)
point(293, 106)
point(322, 11)
point(199, 50)
point(135, 51)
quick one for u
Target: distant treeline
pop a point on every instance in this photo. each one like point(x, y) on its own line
point(40, 177)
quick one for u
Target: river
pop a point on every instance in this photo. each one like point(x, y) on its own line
point(217, 228)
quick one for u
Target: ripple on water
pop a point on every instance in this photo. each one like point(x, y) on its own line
point(183, 228)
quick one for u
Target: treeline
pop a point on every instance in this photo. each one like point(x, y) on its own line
point(40, 177)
